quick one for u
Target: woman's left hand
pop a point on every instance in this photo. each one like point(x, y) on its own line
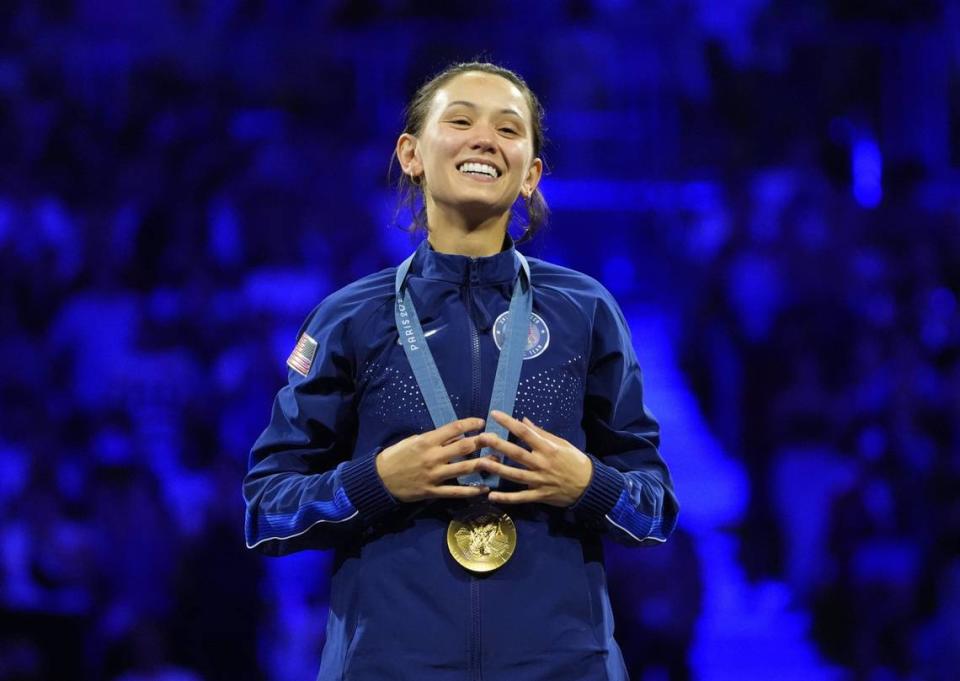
point(555, 472)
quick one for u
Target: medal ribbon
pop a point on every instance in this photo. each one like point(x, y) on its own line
point(427, 375)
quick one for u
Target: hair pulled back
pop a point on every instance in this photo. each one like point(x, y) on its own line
point(414, 117)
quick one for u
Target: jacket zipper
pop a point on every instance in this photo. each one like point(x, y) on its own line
point(474, 278)
point(475, 668)
point(474, 343)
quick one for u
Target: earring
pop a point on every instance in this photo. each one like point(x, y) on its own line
point(415, 179)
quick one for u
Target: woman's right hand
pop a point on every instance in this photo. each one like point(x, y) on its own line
point(417, 467)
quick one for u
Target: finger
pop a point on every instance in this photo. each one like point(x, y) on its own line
point(453, 430)
point(494, 467)
point(522, 497)
point(454, 470)
point(458, 491)
point(458, 448)
point(510, 450)
point(546, 434)
point(458, 438)
point(521, 430)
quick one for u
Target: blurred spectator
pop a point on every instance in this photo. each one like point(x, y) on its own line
point(656, 599)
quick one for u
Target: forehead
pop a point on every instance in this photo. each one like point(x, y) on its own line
point(484, 90)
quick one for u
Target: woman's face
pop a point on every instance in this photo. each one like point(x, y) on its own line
point(475, 151)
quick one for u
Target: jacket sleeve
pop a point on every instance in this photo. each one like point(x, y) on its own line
point(304, 488)
point(630, 497)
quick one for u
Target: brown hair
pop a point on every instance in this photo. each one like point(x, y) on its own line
point(414, 116)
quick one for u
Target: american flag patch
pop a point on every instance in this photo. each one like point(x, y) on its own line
point(302, 356)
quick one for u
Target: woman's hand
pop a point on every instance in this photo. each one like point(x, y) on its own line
point(555, 472)
point(416, 468)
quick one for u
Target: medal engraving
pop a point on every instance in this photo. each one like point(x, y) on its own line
point(483, 541)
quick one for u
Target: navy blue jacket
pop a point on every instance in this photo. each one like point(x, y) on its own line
point(400, 607)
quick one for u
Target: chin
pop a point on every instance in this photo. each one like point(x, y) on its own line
point(475, 206)
point(474, 203)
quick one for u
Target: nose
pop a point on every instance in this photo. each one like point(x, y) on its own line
point(483, 140)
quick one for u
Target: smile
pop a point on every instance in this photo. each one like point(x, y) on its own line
point(479, 169)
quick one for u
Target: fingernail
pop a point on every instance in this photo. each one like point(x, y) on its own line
point(528, 421)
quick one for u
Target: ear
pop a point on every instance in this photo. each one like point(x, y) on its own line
point(407, 155)
point(532, 179)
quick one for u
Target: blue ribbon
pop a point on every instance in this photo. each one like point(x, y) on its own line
point(427, 375)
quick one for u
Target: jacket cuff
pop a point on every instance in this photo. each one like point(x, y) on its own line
point(602, 493)
point(365, 489)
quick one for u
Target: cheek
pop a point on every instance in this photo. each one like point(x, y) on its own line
point(520, 157)
point(439, 150)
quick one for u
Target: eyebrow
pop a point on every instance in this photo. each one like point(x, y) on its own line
point(471, 105)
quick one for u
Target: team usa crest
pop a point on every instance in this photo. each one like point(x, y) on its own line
point(538, 335)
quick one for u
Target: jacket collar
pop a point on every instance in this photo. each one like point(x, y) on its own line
point(463, 269)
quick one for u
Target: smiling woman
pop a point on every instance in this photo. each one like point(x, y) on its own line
point(446, 114)
point(376, 450)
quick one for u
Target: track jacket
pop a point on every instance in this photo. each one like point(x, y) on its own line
point(400, 607)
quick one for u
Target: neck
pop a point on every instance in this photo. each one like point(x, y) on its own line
point(454, 234)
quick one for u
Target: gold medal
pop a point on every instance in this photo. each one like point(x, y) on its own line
point(482, 539)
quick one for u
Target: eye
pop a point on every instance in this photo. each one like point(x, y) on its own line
point(508, 130)
point(460, 121)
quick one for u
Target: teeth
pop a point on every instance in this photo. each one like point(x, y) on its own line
point(482, 168)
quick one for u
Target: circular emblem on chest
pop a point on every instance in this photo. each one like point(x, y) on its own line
point(538, 335)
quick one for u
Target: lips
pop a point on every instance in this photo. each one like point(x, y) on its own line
point(476, 177)
point(478, 169)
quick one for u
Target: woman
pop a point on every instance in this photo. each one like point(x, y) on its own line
point(450, 565)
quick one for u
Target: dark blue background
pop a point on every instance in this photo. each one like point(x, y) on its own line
point(769, 188)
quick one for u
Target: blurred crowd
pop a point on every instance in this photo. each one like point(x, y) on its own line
point(830, 359)
point(169, 216)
